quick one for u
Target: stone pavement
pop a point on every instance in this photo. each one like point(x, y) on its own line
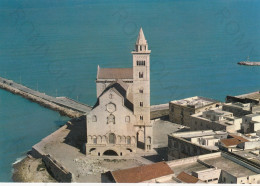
point(66, 144)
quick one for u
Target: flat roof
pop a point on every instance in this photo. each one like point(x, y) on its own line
point(195, 101)
point(252, 95)
point(188, 168)
point(218, 112)
point(192, 134)
point(229, 166)
point(220, 161)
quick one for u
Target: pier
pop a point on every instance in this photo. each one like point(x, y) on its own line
point(64, 105)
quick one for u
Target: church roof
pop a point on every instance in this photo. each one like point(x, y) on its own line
point(141, 39)
point(120, 87)
point(115, 73)
point(142, 173)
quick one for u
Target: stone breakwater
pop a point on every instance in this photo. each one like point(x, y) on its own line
point(248, 63)
point(64, 106)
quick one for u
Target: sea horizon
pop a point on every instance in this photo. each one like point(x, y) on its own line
point(55, 47)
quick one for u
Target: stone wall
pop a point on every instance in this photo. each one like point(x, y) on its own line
point(158, 111)
point(193, 159)
point(199, 123)
point(57, 171)
point(232, 99)
point(238, 112)
point(179, 148)
point(182, 114)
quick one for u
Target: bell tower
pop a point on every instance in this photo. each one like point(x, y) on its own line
point(141, 88)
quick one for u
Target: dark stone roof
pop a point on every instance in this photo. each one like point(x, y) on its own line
point(121, 88)
point(115, 73)
point(142, 173)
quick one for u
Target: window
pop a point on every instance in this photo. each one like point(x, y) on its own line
point(141, 117)
point(141, 104)
point(141, 74)
point(140, 63)
point(94, 118)
point(112, 138)
point(127, 119)
point(128, 140)
point(141, 91)
point(94, 140)
point(110, 96)
point(141, 48)
point(111, 119)
point(149, 140)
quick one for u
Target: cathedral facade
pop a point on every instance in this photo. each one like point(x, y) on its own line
point(119, 122)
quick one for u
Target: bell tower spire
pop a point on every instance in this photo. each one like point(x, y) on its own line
point(141, 43)
point(141, 89)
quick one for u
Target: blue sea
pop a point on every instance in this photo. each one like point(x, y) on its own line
point(55, 46)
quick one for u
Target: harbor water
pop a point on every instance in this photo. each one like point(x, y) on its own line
point(55, 46)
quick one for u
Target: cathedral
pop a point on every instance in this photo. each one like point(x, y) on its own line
point(119, 122)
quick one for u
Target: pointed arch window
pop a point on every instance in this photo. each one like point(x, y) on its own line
point(141, 104)
point(141, 118)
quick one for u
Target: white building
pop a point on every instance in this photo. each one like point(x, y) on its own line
point(119, 122)
point(215, 120)
point(250, 123)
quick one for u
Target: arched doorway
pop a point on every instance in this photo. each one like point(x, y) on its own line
point(140, 139)
point(110, 153)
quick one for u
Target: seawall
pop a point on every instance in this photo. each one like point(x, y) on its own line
point(64, 106)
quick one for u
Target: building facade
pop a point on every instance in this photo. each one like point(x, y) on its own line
point(250, 123)
point(193, 143)
point(181, 110)
point(119, 122)
point(216, 119)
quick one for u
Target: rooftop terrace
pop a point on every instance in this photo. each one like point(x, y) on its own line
point(196, 102)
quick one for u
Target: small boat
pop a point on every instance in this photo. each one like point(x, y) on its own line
point(249, 63)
